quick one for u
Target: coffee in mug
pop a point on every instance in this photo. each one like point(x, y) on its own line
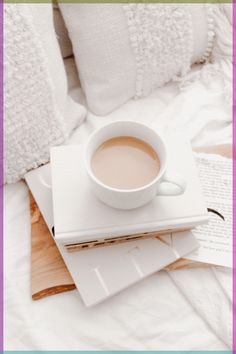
point(125, 162)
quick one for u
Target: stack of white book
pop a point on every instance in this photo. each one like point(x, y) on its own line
point(106, 249)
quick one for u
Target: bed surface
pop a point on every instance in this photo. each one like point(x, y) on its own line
point(177, 310)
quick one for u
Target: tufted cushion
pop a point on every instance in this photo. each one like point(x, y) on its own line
point(38, 110)
point(127, 50)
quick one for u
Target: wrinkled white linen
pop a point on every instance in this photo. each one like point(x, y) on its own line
point(178, 310)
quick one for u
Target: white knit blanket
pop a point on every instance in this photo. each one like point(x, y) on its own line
point(32, 121)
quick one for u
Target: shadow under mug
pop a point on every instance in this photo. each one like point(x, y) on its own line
point(164, 184)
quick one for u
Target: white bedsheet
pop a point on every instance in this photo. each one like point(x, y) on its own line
point(178, 310)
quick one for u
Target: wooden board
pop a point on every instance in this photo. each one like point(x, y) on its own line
point(49, 274)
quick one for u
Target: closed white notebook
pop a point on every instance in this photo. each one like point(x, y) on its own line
point(102, 272)
point(80, 217)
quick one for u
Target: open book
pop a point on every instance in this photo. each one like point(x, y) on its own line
point(215, 238)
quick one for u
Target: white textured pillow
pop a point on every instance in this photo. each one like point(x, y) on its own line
point(127, 50)
point(38, 111)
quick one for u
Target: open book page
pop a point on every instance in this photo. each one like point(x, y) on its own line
point(215, 238)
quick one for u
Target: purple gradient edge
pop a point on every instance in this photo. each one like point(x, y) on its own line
point(1, 176)
point(234, 175)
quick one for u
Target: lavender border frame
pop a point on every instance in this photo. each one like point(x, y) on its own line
point(234, 176)
point(1, 177)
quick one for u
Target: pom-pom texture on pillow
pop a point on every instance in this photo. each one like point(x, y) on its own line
point(127, 50)
point(38, 112)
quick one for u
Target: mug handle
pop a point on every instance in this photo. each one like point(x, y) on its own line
point(171, 184)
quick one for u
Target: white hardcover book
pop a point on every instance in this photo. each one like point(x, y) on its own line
point(101, 272)
point(80, 218)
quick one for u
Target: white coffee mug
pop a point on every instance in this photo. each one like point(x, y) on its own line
point(132, 198)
